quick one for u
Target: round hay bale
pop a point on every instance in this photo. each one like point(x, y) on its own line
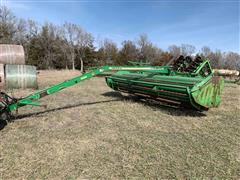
point(2, 76)
point(20, 76)
point(226, 72)
point(11, 54)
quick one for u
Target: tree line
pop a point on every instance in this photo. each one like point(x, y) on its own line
point(69, 46)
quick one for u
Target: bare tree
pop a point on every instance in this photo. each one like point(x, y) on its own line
point(174, 50)
point(64, 46)
point(21, 32)
point(216, 59)
point(206, 51)
point(187, 49)
point(109, 51)
point(47, 42)
point(33, 28)
point(232, 61)
point(143, 45)
point(84, 40)
point(31, 32)
point(162, 58)
point(148, 51)
point(71, 37)
point(128, 52)
point(7, 25)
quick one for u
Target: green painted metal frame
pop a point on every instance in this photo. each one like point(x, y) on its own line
point(32, 99)
point(197, 89)
point(190, 84)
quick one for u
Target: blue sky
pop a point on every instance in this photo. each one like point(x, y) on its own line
point(214, 23)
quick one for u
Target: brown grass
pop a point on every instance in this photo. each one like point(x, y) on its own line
point(89, 131)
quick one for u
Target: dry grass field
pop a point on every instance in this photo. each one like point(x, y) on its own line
point(89, 131)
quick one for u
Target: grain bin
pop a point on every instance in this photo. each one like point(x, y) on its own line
point(11, 54)
point(2, 76)
point(20, 76)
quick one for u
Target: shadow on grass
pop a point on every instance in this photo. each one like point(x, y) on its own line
point(2, 124)
point(22, 116)
point(19, 117)
point(174, 111)
point(169, 109)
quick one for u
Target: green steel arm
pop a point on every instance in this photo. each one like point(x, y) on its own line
point(32, 99)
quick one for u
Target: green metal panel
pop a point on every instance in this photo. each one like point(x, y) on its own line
point(198, 89)
point(209, 94)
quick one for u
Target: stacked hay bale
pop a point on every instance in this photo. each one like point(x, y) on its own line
point(226, 72)
point(14, 74)
point(2, 76)
point(11, 54)
point(230, 76)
